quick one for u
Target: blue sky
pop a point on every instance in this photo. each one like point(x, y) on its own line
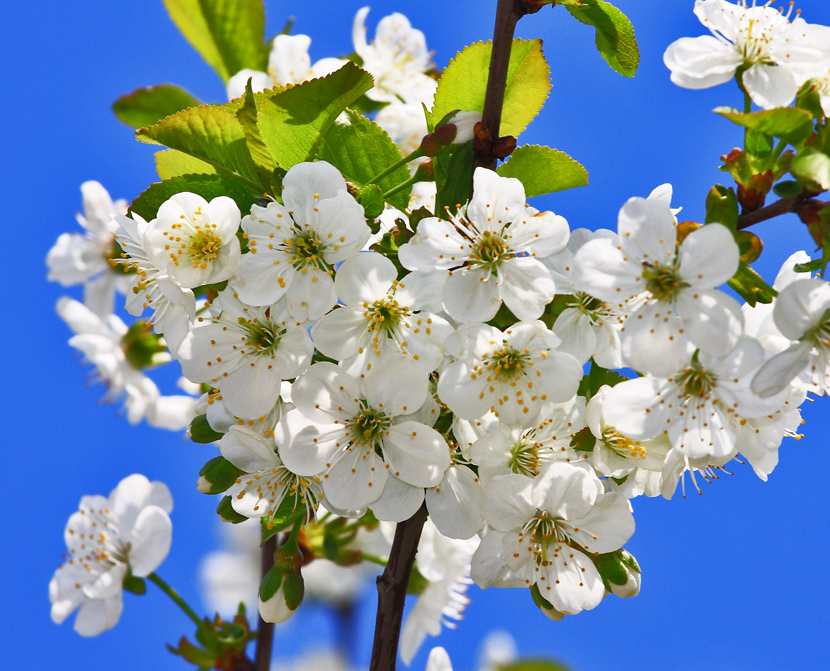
point(733, 579)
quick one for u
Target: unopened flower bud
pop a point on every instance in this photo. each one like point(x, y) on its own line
point(281, 591)
point(455, 129)
point(632, 586)
point(545, 606)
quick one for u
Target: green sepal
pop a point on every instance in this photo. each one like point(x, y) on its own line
point(219, 474)
point(615, 38)
point(202, 432)
point(722, 207)
point(142, 347)
point(808, 98)
point(227, 513)
point(611, 568)
point(211, 134)
point(207, 186)
point(135, 585)
point(293, 590)
point(788, 189)
point(204, 659)
point(293, 121)
point(583, 440)
point(453, 179)
point(814, 266)
point(750, 246)
point(285, 516)
point(270, 584)
point(464, 82)
point(229, 34)
point(596, 378)
point(360, 149)
point(812, 168)
point(789, 123)
point(150, 104)
point(543, 170)
point(750, 286)
point(331, 549)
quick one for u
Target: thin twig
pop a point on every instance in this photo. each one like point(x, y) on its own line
point(775, 209)
point(392, 584)
point(265, 630)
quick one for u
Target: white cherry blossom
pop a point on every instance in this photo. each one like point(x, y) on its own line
point(778, 55)
point(295, 245)
point(492, 253)
point(108, 539)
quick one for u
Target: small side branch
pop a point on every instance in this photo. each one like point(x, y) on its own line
point(392, 584)
point(770, 211)
point(265, 630)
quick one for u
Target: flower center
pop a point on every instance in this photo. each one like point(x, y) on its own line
point(204, 247)
point(697, 382)
point(539, 533)
point(263, 338)
point(367, 428)
point(306, 249)
point(621, 445)
point(384, 314)
point(819, 335)
point(524, 458)
point(507, 363)
point(663, 282)
point(490, 250)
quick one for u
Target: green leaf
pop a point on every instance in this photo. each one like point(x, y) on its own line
point(360, 149)
point(229, 34)
point(453, 179)
point(543, 170)
point(533, 665)
point(146, 106)
point(722, 207)
point(788, 189)
point(218, 474)
point(812, 167)
point(464, 82)
point(247, 117)
point(596, 378)
point(207, 186)
point(615, 35)
point(808, 98)
point(751, 287)
point(294, 121)
point(173, 163)
point(209, 133)
point(759, 144)
point(789, 123)
point(371, 200)
point(583, 440)
point(202, 432)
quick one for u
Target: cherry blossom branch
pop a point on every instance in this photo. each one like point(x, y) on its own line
point(265, 630)
point(392, 584)
point(779, 207)
point(508, 13)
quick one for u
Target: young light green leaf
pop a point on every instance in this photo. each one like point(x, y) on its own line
point(722, 206)
point(146, 106)
point(210, 134)
point(751, 287)
point(360, 149)
point(247, 117)
point(294, 121)
point(464, 82)
point(789, 123)
point(812, 167)
point(544, 170)
point(615, 35)
point(172, 163)
point(229, 34)
point(207, 186)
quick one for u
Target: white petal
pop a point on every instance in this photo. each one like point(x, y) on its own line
point(150, 541)
point(416, 453)
point(709, 256)
point(399, 501)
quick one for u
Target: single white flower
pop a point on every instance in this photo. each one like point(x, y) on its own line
point(672, 286)
point(511, 373)
point(350, 433)
point(778, 55)
point(397, 59)
point(541, 530)
point(380, 316)
point(246, 352)
point(194, 241)
point(288, 63)
point(109, 539)
point(295, 245)
point(85, 258)
point(492, 252)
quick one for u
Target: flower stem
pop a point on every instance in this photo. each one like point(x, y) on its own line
point(392, 584)
point(418, 153)
point(265, 630)
point(374, 559)
point(173, 594)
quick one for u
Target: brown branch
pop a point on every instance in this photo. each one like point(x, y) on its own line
point(392, 584)
point(265, 630)
point(775, 209)
point(508, 13)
